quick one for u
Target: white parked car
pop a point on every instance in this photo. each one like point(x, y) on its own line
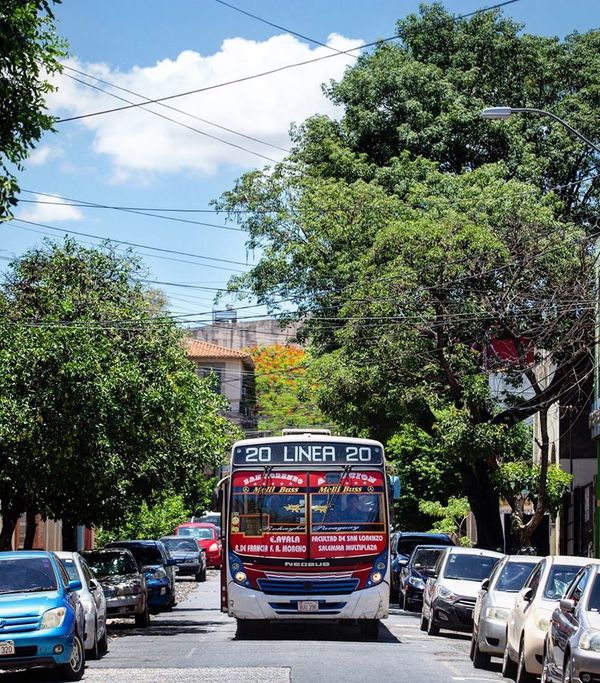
point(93, 601)
point(529, 618)
point(450, 594)
point(494, 602)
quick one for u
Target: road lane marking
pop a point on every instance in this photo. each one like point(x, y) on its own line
point(248, 674)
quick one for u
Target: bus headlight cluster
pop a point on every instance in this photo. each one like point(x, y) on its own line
point(376, 577)
point(236, 568)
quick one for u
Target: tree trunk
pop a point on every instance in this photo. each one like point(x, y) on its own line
point(10, 517)
point(485, 505)
point(30, 530)
point(69, 539)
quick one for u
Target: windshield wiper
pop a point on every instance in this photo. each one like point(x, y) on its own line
point(343, 474)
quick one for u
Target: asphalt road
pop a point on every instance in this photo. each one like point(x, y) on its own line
point(195, 642)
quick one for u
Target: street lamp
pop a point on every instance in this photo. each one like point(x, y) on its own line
point(504, 113)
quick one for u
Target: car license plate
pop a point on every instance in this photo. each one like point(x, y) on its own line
point(308, 606)
point(7, 647)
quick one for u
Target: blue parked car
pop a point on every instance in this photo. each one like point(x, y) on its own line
point(155, 562)
point(41, 619)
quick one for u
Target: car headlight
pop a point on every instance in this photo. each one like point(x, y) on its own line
point(213, 547)
point(541, 620)
point(415, 582)
point(53, 618)
point(446, 593)
point(590, 640)
point(499, 613)
point(159, 573)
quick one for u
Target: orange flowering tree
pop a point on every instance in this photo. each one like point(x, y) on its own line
point(285, 397)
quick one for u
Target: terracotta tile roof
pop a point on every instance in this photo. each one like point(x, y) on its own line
point(201, 349)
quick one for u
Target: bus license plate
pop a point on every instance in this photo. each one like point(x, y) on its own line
point(7, 647)
point(308, 606)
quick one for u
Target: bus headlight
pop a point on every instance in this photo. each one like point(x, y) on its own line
point(240, 577)
point(376, 577)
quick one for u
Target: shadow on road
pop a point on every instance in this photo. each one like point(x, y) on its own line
point(317, 631)
point(162, 627)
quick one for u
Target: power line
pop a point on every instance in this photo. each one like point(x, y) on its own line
point(179, 111)
point(277, 26)
point(129, 244)
point(269, 72)
point(178, 123)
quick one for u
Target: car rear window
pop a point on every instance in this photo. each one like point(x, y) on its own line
point(558, 581)
point(469, 567)
point(407, 545)
point(111, 564)
point(425, 558)
point(181, 545)
point(513, 576)
point(196, 532)
point(146, 554)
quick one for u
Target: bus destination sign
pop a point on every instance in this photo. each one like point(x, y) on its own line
point(307, 453)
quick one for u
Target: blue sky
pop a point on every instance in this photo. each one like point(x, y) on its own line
point(136, 159)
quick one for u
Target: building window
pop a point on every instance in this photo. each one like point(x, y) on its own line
point(215, 373)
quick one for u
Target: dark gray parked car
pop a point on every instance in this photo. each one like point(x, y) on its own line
point(123, 583)
point(190, 559)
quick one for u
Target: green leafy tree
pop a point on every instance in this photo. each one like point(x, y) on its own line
point(408, 239)
point(451, 518)
point(100, 409)
point(29, 54)
point(148, 522)
point(519, 485)
point(285, 396)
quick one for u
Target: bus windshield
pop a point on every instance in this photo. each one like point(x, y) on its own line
point(307, 514)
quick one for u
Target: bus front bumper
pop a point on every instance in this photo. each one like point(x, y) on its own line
point(368, 603)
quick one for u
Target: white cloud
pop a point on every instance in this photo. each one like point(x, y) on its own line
point(42, 154)
point(50, 211)
point(140, 143)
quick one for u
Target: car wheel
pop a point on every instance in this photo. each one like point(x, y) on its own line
point(432, 628)
point(142, 620)
point(568, 672)
point(73, 670)
point(481, 660)
point(472, 646)
point(200, 576)
point(509, 668)
point(423, 624)
point(103, 643)
point(405, 605)
point(545, 677)
point(523, 676)
point(94, 652)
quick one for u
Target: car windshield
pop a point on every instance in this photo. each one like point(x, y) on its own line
point(558, 581)
point(425, 558)
point(180, 545)
point(27, 575)
point(513, 576)
point(594, 601)
point(71, 568)
point(111, 564)
point(196, 532)
point(469, 567)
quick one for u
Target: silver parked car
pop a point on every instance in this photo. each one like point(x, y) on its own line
point(93, 601)
point(572, 647)
point(494, 602)
point(450, 594)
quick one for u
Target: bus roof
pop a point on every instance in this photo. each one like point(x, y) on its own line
point(305, 437)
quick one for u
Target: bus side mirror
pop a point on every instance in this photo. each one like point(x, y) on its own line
point(395, 487)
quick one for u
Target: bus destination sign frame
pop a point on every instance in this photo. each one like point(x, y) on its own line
point(298, 453)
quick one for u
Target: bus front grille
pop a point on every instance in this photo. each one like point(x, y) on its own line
point(278, 586)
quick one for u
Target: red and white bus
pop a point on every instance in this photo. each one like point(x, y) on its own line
point(306, 530)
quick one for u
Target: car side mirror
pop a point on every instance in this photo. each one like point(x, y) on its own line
point(528, 595)
point(94, 584)
point(403, 562)
point(485, 585)
point(567, 605)
point(170, 562)
point(74, 586)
